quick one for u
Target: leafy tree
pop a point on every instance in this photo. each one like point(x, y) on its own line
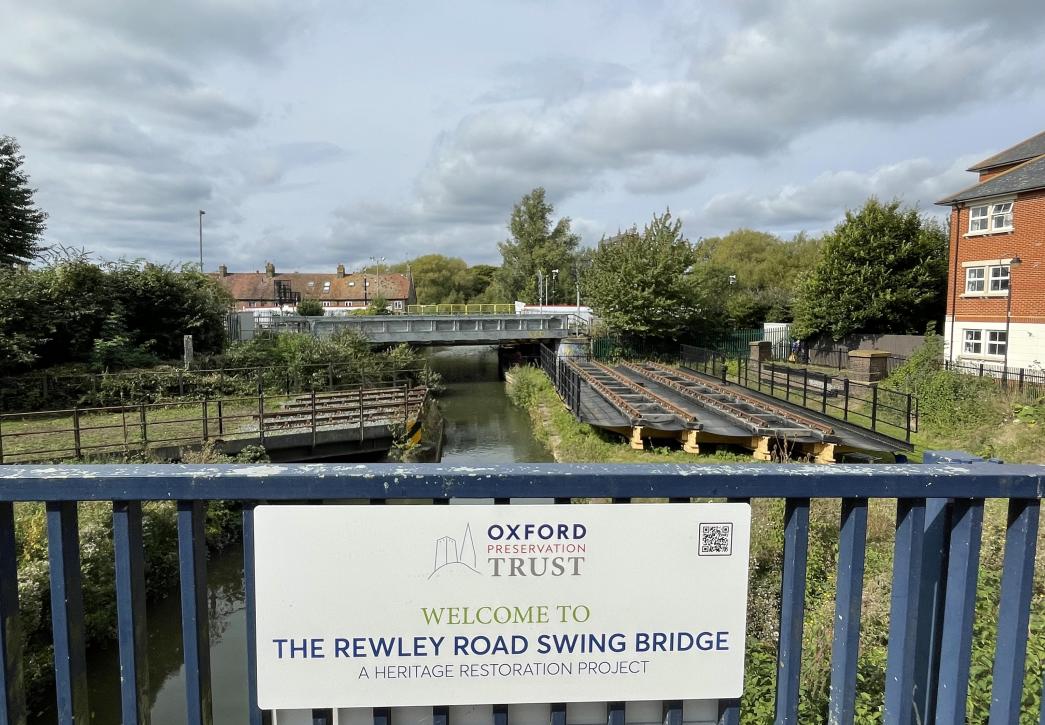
point(378, 306)
point(759, 272)
point(644, 284)
point(882, 270)
point(21, 222)
point(126, 313)
point(536, 244)
point(437, 278)
point(310, 308)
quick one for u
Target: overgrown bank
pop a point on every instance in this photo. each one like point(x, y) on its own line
point(576, 442)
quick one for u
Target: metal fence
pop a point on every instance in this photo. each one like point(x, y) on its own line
point(935, 570)
point(453, 309)
point(1021, 379)
point(878, 409)
point(101, 432)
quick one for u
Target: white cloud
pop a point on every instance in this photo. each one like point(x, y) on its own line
point(820, 203)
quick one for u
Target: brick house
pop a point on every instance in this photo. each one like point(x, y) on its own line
point(996, 283)
point(338, 292)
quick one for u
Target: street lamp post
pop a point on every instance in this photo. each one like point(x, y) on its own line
point(201, 239)
point(1013, 264)
point(540, 290)
point(555, 276)
point(378, 261)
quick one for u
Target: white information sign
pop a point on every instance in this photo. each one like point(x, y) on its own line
point(375, 606)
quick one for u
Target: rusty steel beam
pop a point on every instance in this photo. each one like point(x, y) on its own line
point(634, 413)
point(681, 412)
point(748, 398)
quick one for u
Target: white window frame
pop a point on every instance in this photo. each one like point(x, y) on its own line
point(1000, 343)
point(973, 338)
point(397, 304)
point(983, 340)
point(972, 279)
point(994, 217)
point(993, 269)
point(1004, 275)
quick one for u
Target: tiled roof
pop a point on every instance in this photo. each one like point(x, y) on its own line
point(1027, 176)
point(1032, 147)
point(260, 286)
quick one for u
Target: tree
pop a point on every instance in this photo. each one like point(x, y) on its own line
point(21, 223)
point(882, 270)
point(761, 273)
point(644, 284)
point(536, 245)
point(310, 308)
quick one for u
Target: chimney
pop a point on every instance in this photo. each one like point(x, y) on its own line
point(340, 271)
point(223, 271)
point(270, 269)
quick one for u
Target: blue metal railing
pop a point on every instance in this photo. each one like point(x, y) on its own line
point(938, 531)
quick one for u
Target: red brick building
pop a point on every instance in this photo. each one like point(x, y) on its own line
point(996, 292)
point(338, 292)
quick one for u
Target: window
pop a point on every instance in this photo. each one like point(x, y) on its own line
point(398, 304)
point(990, 218)
point(973, 342)
point(978, 218)
point(1000, 278)
point(1001, 216)
point(997, 341)
point(326, 303)
point(974, 279)
point(326, 286)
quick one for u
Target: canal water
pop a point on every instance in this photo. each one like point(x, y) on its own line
point(481, 427)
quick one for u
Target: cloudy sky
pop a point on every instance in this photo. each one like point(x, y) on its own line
point(322, 131)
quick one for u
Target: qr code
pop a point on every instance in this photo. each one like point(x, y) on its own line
point(716, 539)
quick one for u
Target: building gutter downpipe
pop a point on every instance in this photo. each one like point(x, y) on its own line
point(954, 277)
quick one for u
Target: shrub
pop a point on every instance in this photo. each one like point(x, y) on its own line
point(310, 308)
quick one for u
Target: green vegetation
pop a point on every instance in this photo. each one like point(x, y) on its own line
point(281, 363)
point(21, 222)
point(882, 270)
point(757, 274)
point(440, 280)
point(642, 286)
point(576, 442)
point(969, 413)
point(537, 244)
point(105, 317)
point(310, 308)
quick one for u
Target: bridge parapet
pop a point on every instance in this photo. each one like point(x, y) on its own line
point(451, 330)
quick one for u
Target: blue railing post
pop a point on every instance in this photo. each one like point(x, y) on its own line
point(70, 660)
point(195, 629)
point(792, 609)
point(935, 544)
point(12, 693)
point(903, 612)
point(845, 650)
point(1017, 587)
point(963, 562)
point(130, 611)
